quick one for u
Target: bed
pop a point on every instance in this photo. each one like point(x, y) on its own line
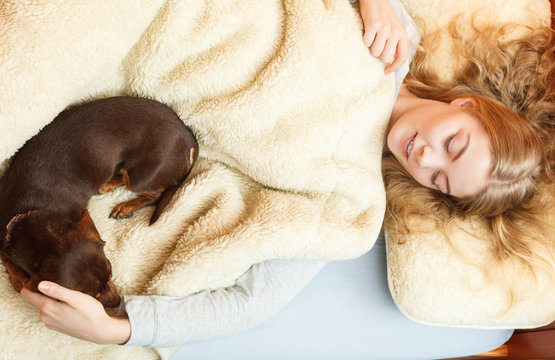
point(347, 313)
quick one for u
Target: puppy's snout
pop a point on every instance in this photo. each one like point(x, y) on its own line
point(109, 296)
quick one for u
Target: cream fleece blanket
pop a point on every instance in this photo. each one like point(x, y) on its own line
point(289, 110)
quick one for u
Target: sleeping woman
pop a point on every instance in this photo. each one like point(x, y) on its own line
point(478, 143)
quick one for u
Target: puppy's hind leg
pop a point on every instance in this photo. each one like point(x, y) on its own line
point(119, 180)
point(126, 209)
point(155, 180)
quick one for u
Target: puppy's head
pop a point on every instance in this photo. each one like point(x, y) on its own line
point(50, 246)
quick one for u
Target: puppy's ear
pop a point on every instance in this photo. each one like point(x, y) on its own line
point(15, 221)
point(85, 226)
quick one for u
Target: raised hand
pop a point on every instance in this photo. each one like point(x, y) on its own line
point(384, 33)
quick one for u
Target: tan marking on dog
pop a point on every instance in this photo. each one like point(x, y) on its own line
point(192, 156)
point(126, 180)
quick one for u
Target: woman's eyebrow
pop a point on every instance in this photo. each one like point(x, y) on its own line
point(463, 148)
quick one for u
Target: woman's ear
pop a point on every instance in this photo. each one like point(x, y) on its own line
point(467, 102)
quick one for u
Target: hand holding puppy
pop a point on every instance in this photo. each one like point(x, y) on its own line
point(77, 314)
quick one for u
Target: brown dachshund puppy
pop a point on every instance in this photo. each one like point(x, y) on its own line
point(45, 231)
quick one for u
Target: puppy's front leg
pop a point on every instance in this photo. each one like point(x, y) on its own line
point(18, 277)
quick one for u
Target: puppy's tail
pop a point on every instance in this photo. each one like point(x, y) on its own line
point(163, 202)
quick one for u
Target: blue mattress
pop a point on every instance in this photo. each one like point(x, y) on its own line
point(346, 313)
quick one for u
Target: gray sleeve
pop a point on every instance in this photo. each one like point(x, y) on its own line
point(261, 292)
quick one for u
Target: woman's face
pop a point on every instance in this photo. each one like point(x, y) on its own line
point(443, 147)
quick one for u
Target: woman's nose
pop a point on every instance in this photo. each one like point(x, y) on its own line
point(427, 157)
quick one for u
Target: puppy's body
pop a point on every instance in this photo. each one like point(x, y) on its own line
point(89, 148)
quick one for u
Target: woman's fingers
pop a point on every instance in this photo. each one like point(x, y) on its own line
point(401, 56)
point(369, 36)
point(389, 51)
point(33, 297)
point(378, 46)
point(71, 297)
point(49, 308)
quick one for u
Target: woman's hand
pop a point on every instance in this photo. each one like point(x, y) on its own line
point(384, 33)
point(77, 314)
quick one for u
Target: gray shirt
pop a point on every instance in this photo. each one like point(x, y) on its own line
point(257, 295)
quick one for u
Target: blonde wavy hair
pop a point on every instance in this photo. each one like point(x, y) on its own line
point(512, 82)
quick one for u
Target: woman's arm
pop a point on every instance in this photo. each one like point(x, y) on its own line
point(258, 294)
point(168, 321)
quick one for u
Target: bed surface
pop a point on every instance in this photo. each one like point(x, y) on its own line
point(346, 313)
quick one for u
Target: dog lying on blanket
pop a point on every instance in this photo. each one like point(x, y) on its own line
point(46, 232)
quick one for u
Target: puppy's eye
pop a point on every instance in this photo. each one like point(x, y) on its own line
point(97, 296)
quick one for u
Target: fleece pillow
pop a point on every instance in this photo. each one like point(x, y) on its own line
point(454, 283)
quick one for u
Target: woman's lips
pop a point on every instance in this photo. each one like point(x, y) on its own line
point(406, 145)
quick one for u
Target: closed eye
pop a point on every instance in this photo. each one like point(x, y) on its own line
point(463, 149)
point(448, 142)
point(434, 178)
point(445, 181)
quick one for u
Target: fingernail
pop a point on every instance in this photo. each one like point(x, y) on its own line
point(44, 287)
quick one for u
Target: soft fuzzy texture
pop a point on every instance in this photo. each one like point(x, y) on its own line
point(287, 104)
point(458, 282)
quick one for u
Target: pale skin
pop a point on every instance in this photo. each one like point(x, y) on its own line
point(443, 146)
point(77, 314)
point(384, 33)
point(81, 316)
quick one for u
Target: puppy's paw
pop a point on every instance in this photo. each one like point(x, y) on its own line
point(122, 211)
